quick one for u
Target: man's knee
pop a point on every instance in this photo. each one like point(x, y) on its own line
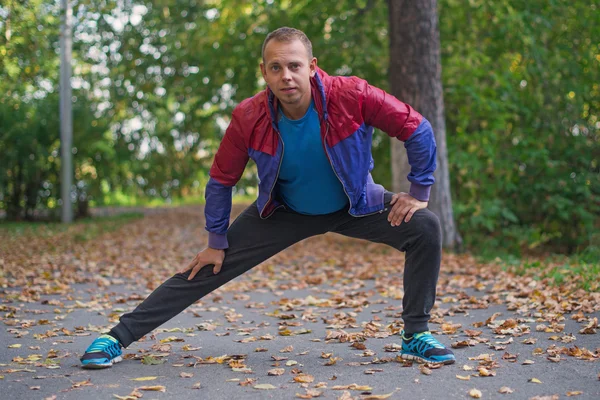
point(427, 225)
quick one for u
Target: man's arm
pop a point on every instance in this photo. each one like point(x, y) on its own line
point(226, 170)
point(399, 120)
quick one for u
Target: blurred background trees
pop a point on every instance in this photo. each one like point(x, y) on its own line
point(155, 82)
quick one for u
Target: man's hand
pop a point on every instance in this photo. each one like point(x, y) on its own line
point(206, 257)
point(404, 206)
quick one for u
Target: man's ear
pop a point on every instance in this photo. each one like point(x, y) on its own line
point(263, 70)
point(313, 67)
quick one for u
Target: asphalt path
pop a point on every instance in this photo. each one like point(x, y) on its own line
point(184, 375)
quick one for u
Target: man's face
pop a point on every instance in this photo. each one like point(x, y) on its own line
point(287, 71)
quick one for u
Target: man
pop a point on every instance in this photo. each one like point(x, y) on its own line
point(310, 136)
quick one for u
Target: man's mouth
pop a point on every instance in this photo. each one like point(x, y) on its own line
point(288, 90)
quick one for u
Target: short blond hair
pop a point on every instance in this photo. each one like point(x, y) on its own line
point(286, 34)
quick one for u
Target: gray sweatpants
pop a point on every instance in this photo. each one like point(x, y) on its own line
point(252, 240)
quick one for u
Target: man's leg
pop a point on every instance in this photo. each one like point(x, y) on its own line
point(421, 240)
point(251, 241)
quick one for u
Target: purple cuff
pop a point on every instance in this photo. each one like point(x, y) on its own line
point(216, 241)
point(420, 192)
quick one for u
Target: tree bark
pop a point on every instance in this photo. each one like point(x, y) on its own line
point(415, 78)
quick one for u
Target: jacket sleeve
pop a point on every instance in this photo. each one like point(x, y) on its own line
point(227, 168)
point(400, 120)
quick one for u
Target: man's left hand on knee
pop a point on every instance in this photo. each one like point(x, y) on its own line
point(403, 208)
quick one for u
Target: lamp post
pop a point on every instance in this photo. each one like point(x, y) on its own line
point(66, 112)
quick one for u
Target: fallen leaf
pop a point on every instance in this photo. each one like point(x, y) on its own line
point(574, 393)
point(14, 346)
point(186, 375)
point(82, 383)
point(376, 396)
point(474, 393)
point(153, 388)
point(150, 360)
point(353, 386)
point(424, 370)
point(535, 380)
point(247, 382)
point(304, 378)
point(310, 394)
point(505, 390)
point(345, 396)
point(485, 372)
point(144, 378)
point(264, 386)
point(590, 328)
point(464, 377)
point(276, 371)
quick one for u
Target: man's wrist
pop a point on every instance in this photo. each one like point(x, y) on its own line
point(420, 192)
point(217, 241)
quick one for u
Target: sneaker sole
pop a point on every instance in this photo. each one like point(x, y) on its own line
point(412, 357)
point(102, 366)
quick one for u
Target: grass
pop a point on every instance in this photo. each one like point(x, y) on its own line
point(80, 230)
point(579, 270)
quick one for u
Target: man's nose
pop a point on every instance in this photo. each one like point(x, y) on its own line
point(286, 76)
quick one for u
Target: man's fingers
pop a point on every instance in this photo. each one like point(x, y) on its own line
point(410, 214)
point(217, 268)
point(400, 216)
point(394, 211)
point(191, 264)
point(196, 269)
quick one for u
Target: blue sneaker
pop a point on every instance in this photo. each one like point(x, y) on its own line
point(423, 347)
point(102, 353)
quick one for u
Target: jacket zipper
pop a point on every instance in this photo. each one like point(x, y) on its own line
point(275, 180)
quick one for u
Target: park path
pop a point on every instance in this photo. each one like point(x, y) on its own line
point(319, 320)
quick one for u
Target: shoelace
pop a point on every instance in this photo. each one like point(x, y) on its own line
point(429, 339)
point(105, 345)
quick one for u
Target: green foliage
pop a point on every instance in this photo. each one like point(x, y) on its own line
point(155, 83)
point(522, 109)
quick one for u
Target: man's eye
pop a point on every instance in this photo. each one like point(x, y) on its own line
point(275, 68)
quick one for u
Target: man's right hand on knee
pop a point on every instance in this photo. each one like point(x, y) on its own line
point(206, 257)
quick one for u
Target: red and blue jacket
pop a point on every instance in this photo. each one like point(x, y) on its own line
point(349, 108)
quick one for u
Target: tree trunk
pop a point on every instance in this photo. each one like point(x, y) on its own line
point(415, 78)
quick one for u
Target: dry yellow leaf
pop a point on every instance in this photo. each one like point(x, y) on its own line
point(376, 396)
point(353, 386)
point(463, 377)
point(14, 346)
point(304, 378)
point(144, 378)
point(153, 388)
point(575, 393)
point(474, 393)
point(535, 380)
point(505, 390)
point(264, 386)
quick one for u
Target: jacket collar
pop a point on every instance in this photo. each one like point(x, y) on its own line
point(319, 93)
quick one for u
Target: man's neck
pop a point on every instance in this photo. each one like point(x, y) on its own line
point(296, 112)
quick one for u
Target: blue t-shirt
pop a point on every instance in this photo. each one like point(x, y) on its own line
point(307, 183)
